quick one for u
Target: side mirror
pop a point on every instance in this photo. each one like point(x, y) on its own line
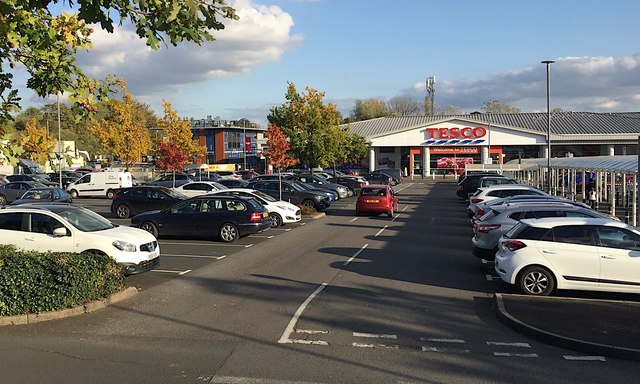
point(60, 232)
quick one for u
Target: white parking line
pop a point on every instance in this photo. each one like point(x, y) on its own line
point(504, 354)
point(209, 244)
point(374, 335)
point(363, 345)
point(436, 340)
point(354, 219)
point(192, 256)
point(584, 358)
point(519, 345)
point(261, 236)
point(380, 231)
point(167, 271)
point(292, 324)
point(356, 254)
point(448, 350)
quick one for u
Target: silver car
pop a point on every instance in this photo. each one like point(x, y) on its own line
point(500, 219)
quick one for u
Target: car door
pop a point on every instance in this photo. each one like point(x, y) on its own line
point(619, 251)
point(39, 227)
point(212, 212)
point(182, 219)
point(573, 254)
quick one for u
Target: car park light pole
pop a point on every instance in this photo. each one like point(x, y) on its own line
point(548, 64)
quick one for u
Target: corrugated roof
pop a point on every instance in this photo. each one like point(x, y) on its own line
point(598, 125)
point(624, 163)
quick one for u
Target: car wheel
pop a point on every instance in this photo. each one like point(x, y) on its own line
point(110, 194)
point(390, 213)
point(123, 211)
point(308, 203)
point(276, 220)
point(350, 192)
point(228, 233)
point(537, 281)
point(3, 200)
point(150, 227)
point(74, 194)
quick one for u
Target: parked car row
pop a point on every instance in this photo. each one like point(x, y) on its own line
point(541, 243)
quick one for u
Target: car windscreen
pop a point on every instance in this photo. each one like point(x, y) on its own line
point(85, 220)
point(264, 196)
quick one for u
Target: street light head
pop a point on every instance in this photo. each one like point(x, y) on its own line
point(547, 62)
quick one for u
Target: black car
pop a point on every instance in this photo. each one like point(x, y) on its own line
point(210, 216)
point(130, 201)
point(66, 180)
point(41, 195)
point(471, 183)
point(396, 175)
point(292, 193)
point(378, 178)
point(234, 183)
point(37, 178)
point(352, 183)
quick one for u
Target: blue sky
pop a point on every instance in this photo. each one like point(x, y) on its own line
point(360, 49)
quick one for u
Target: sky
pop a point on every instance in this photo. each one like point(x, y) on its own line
point(360, 49)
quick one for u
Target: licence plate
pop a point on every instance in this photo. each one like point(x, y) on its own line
point(265, 215)
point(372, 201)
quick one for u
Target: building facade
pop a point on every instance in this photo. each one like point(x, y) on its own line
point(237, 142)
point(424, 145)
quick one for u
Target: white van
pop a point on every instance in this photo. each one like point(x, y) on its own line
point(99, 184)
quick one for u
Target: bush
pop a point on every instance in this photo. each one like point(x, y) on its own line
point(32, 282)
point(307, 210)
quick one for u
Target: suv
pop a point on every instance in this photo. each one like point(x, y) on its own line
point(167, 180)
point(570, 253)
point(470, 183)
point(292, 193)
point(319, 183)
point(501, 219)
point(69, 228)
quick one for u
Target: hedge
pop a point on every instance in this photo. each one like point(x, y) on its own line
point(33, 282)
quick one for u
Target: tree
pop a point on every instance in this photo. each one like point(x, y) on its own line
point(497, 106)
point(46, 43)
point(278, 148)
point(403, 106)
point(178, 132)
point(368, 109)
point(119, 134)
point(37, 144)
point(170, 158)
point(307, 122)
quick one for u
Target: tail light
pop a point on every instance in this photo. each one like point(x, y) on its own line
point(362, 184)
point(513, 245)
point(476, 200)
point(256, 217)
point(485, 228)
point(480, 212)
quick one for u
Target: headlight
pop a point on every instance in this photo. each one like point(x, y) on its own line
point(318, 197)
point(124, 246)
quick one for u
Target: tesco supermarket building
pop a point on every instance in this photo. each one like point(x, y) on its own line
point(445, 144)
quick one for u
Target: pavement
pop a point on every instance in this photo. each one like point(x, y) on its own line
point(608, 328)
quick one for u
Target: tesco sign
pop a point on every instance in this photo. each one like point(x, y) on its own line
point(456, 133)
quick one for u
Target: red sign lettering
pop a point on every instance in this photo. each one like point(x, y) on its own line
point(456, 133)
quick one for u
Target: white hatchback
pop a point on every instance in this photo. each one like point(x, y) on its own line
point(199, 188)
point(570, 253)
point(280, 212)
point(70, 228)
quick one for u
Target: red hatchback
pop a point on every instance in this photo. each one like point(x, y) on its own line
point(377, 199)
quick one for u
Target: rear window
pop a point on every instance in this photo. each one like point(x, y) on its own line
point(374, 192)
point(526, 232)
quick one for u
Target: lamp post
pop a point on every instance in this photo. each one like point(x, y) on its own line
point(548, 64)
point(431, 90)
point(59, 144)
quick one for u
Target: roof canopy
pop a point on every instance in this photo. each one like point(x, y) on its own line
point(625, 164)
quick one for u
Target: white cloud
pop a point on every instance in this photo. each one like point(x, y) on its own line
point(594, 84)
point(261, 35)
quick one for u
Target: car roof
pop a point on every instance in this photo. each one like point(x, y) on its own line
point(536, 205)
point(552, 222)
point(375, 186)
point(42, 206)
point(506, 186)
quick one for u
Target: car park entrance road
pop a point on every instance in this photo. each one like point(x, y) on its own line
point(340, 299)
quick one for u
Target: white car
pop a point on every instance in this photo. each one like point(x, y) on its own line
point(280, 212)
point(486, 194)
point(70, 228)
point(570, 253)
point(198, 188)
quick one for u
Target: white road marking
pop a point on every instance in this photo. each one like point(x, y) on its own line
point(206, 244)
point(505, 354)
point(168, 271)
point(246, 380)
point(450, 350)
point(491, 277)
point(292, 324)
point(264, 237)
point(306, 342)
point(310, 332)
point(380, 231)
point(436, 340)
point(303, 223)
point(191, 256)
point(584, 358)
point(362, 345)
point(356, 254)
point(405, 208)
point(374, 335)
point(221, 257)
point(519, 345)
point(354, 219)
point(248, 245)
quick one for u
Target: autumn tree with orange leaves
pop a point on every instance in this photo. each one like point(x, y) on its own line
point(278, 146)
point(120, 134)
point(178, 132)
point(36, 143)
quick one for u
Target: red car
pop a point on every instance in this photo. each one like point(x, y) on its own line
point(377, 199)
